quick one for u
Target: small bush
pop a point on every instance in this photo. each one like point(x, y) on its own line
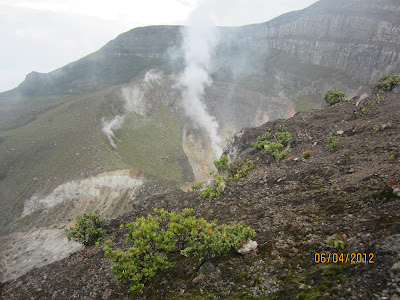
point(337, 240)
point(384, 126)
point(209, 241)
point(334, 96)
point(153, 238)
point(238, 169)
point(214, 190)
point(227, 172)
point(232, 171)
point(307, 154)
point(88, 230)
point(333, 143)
point(386, 83)
point(275, 148)
point(196, 186)
point(284, 137)
point(222, 164)
point(262, 141)
point(211, 192)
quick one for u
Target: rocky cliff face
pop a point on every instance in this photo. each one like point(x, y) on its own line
point(145, 42)
point(361, 39)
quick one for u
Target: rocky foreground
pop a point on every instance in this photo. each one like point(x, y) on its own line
point(294, 206)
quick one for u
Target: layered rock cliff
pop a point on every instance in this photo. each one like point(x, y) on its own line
point(359, 38)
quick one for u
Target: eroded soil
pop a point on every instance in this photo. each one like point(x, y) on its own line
point(293, 206)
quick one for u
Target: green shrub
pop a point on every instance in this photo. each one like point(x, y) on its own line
point(262, 141)
point(334, 96)
point(383, 126)
point(222, 164)
point(153, 238)
point(307, 154)
point(227, 172)
point(284, 137)
point(238, 169)
point(232, 171)
point(275, 148)
point(211, 192)
point(333, 143)
point(215, 189)
point(196, 186)
point(337, 240)
point(386, 83)
point(88, 230)
point(210, 241)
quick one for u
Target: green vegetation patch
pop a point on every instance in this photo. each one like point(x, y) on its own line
point(153, 238)
point(215, 189)
point(334, 96)
point(153, 144)
point(274, 145)
point(88, 230)
point(386, 83)
point(333, 143)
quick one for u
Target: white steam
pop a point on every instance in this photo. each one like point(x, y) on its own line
point(153, 75)
point(199, 41)
point(134, 102)
point(135, 95)
point(110, 126)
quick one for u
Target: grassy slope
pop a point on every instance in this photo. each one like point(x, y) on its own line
point(153, 144)
point(98, 71)
point(67, 141)
point(58, 145)
point(16, 111)
point(94, 72)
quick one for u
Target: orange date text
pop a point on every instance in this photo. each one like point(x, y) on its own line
point(349, 258)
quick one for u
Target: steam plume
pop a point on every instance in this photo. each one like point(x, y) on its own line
point(135, 95)
point(152, 75)
point(199, 40)
point(110, 126)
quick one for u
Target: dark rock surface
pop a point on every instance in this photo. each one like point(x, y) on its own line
point(293, 206)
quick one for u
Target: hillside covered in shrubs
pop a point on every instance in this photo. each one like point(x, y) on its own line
point(318, 193)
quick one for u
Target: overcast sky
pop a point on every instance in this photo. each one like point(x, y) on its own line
point(43, 35)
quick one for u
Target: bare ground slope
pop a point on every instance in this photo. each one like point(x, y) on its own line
point(294, 207)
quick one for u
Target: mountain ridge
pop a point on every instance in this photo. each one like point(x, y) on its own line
point(370, 22)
